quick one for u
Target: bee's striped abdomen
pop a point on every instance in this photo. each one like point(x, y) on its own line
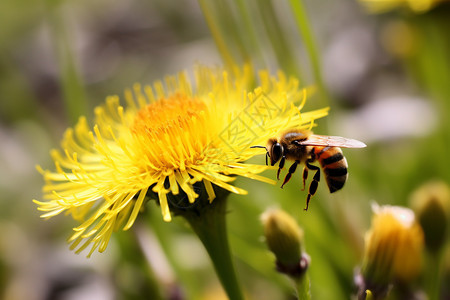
point(334, 166)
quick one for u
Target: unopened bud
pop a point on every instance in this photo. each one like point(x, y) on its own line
point(284, 238)
point(393, 248)
point(431, 202)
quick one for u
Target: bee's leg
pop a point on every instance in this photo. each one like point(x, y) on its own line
point(280, 166)
point(305, 176)
point(290, 172)
point(314, 183)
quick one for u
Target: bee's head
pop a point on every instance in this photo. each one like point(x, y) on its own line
point(275, 151)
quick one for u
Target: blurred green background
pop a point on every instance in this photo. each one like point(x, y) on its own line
point(385, 77)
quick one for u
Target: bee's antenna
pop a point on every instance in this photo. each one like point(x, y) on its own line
point(267, 153)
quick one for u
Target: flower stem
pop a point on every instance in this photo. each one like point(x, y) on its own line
point(301, 18)
point(303, 287)
point(432, 283)
point(277, 38)
point(216, 34)
point(210, 227)
point(72, 86)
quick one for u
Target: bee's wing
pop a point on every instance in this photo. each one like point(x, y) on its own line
point(330, 141)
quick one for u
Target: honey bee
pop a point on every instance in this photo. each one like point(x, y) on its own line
point(304, 147)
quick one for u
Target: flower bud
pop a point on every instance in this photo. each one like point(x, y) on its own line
point(393, 249)
point(284, 238)
point(431, 202)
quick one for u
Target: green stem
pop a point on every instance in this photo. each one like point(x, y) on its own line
point(210, 227)
point(217, 35)
point(227, 18)
point(303, 286)
point(278, 41)
point(303, 26)
point(73, 92)
point(249, 30)
point(433, 276)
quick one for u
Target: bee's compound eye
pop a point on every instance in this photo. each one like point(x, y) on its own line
point(277, 152)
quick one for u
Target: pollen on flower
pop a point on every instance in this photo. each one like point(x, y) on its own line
point(166, 140)
point(170, 131)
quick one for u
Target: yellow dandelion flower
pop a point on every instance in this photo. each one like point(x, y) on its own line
point(163, 141)
point(393, 249)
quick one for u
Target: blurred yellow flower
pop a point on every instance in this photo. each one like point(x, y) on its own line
point(166, 138)
point(417, 6)
point(393, 247)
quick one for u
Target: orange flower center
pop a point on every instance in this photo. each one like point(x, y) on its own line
point(159, 116)
point(172, 131)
